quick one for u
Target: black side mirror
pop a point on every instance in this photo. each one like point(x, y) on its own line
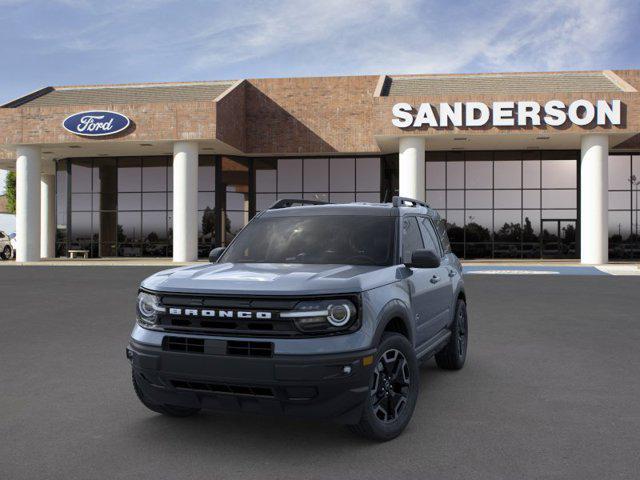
point(424, 259)
point(215, 254)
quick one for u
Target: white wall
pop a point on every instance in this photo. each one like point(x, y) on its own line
point(3, 176)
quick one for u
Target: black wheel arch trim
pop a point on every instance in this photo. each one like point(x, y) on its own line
point(392, 310)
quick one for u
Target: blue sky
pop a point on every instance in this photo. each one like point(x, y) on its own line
point(69, 42)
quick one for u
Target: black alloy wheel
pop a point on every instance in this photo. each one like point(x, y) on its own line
point(454, 354)
point(391, 383)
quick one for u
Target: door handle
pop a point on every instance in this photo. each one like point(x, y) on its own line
point(435, 279)
point(452, 273)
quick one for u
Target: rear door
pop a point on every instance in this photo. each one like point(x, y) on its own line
point(444, 285)
point(423, 283)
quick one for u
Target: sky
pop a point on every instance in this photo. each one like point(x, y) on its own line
point(71, 42)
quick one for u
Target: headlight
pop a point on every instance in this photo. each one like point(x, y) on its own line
point(148, 306)
point(323, 316)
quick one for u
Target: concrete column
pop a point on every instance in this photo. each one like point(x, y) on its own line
point(411, 165)
point(48, 212)
point(185, 201)
point(594, 199)
point(28, 204)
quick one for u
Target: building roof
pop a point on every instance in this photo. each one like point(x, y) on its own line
point(565, 82)
point(121, 94)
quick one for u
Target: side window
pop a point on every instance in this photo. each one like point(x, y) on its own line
point(1, 235)
point(411, 238)
point(430, 239)
point(441, 225)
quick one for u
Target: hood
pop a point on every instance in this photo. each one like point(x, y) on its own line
point(270, 279)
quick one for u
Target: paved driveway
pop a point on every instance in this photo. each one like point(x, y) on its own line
point(551, 390)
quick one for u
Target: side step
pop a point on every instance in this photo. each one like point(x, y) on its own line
point(430, 348)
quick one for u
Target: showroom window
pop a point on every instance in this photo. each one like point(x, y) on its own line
point(506, 204)
point(624, 195)
point(336, 179)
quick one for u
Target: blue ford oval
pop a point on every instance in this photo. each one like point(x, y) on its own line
point(96, 123)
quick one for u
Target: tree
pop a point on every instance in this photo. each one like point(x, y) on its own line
point(10, 188)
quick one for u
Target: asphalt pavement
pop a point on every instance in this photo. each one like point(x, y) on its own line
point(551, 389)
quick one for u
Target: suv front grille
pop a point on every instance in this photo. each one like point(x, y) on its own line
point(183, 344)
point(250, 349)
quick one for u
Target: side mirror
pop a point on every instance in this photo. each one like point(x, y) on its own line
point(215, 254)
point(424, 259)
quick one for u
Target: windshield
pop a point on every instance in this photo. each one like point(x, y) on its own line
point(348, 239)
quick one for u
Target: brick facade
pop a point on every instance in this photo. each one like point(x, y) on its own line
point(291, 116)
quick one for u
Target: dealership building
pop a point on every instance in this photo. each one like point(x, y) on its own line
point(521, 165)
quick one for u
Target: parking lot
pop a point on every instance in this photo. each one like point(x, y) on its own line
point(551, 390)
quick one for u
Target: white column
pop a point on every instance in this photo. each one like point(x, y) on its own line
point(594, 199)
point(48, 211)
point(28, 204)
point(185, 201)
point(411, 165)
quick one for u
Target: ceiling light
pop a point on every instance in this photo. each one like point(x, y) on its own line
point(544, 137)
point(460, 138)
point(146, 144)
point(74, 146)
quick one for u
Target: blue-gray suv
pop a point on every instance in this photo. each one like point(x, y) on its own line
point(315, 310)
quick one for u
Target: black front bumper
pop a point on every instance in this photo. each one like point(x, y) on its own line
point(312, 386)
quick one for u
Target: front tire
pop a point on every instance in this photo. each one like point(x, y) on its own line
point(393, 390)
point(6, 253)
point(454, 354)
point(169, 410)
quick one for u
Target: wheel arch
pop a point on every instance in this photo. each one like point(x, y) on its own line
point(394, 317)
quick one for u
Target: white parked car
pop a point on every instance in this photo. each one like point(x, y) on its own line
point(7, 247)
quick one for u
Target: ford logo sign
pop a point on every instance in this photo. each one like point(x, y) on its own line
point(96, 123)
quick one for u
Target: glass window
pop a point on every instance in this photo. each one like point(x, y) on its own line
point(154, 174)
point(455, 198)
point(206, 173)
point(369, 197)
point(342, 174)
point(129, 201)
point(289, 175)
point(507, 199)
point(129, 226)
point(479, 198)
point(559, 199)
point(316, 239)
point(367, 174)
point(154, 227)
point(531, 174)
point(266, 175)
point(478, 174)
point(81, 202)
point(342, 197)
point(265, 200)
point(559, 173)
point(436, 174)
point(429, 236)
point(507, 226)
point(436, 199)
point(81, 175)
point(129, 175)
point(620, 200)
point(531, 198)
point(619, 172)
point(507, 174)
point(411, 238)
point(154, 201)
point(316, 174)
point(478, 226)
point(455, 174)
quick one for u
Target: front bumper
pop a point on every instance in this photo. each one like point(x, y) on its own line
point(331, 386)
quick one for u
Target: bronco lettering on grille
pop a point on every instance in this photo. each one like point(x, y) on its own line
point(241, 314)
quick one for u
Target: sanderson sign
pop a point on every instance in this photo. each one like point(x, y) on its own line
point(96, 123)
point(508, 114)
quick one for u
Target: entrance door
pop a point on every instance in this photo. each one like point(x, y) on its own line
point(558, 238)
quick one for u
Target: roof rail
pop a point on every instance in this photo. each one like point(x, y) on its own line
point(290, 202)
point(400, 201)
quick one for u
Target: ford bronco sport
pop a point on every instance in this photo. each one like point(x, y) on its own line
point(316, 310)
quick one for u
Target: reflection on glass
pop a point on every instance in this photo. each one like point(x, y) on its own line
point(559, 199)
point(316, 174)
point(81, 175)
point(455, 174)
point(436, 199)
point(507, 199)
point(289, 175)
point(478, 198)
point(435, 173)
point(507, 174)
point(342, 174)
point(559, 173)
point(367, 174)
point(154, 174)
point(129, 174)
point(531, 174)
point(478, 174)
point(619, 172)
point(455, 198)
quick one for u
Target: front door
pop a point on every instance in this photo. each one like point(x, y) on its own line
point(558, 238)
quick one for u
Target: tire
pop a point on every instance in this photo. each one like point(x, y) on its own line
point(169, 410)
point(393, 390)
point(7, 253)
point(454, 354)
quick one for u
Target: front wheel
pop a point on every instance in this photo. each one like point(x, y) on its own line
point(6, 252)
point(393, 390)
point(454, 354)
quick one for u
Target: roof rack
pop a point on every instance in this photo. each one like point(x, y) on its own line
point(290, 202)
point(401, 201)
